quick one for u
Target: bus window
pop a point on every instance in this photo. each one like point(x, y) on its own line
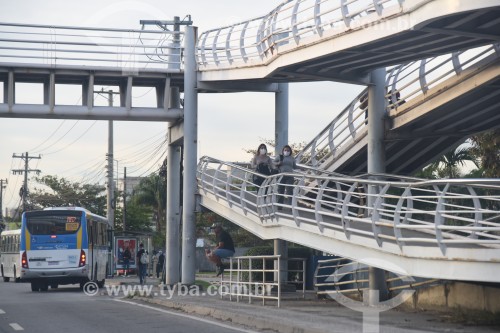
point(53, 224)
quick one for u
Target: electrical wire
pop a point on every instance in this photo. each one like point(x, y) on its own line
point(40, 151)
point(74, 141)
point(53, 133)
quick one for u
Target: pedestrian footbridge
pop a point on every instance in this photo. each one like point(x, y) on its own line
point(442, 61)
point(441, 86)
point(433, 104)
point(445, 229)
point(337, 40)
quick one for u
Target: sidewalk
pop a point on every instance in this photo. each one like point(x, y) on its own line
point(297, 315)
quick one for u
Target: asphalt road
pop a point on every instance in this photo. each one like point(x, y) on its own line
point(67, 309)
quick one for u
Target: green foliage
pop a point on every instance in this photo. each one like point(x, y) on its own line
point(159, 241)
point(151, 192)
point(62, 192)
point(486, 148)
point(240, 236)
point(449, 164)
point(260, 251)
point(138, 218)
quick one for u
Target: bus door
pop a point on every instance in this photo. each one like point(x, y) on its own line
point(91, 235)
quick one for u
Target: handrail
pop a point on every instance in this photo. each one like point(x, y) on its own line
point(89, 46)
point(439, 213)
point(242, 281)
point(341, 275)
point(292, 23)
point(404, 83)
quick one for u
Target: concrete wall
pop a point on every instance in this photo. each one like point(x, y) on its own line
point(455, 296)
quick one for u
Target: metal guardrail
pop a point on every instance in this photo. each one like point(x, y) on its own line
point(293, 23)
point(248, 279)
point(403, 84)
point(443, 213)
point(341, 275)
point(86, 46)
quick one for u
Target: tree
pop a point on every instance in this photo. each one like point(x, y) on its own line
point(448, 165)
point(486, 148)
point(62, 192)
point(139, 217)
point(151, 192)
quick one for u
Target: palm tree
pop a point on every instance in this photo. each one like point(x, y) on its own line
point(448, 165)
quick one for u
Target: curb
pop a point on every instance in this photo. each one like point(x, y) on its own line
point(249, 320)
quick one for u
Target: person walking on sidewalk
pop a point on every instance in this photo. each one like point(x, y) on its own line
point(126, 260)
point(142, 263)
point(160, 264)
point(223, 249)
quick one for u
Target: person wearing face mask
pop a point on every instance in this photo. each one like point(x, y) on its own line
point(261, 163)
point(286, 164)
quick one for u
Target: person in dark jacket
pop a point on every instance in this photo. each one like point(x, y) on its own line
point(223, 249)
point(286, 164)
point(142, 266)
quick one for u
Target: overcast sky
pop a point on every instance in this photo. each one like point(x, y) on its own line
point(228, 123)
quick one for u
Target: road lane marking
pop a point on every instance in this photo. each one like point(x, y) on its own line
point(187, 316)
point(2, 311)
point(16, 327)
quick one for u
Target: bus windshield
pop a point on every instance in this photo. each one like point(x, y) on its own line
point(52, 223)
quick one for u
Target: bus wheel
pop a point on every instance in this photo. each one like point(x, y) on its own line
point(16, 279)
point(5, 279)
point(44, 286)
point(35, 286)
point(54, 286)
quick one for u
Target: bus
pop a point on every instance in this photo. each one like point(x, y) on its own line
point(10, 257)
point(64, 245)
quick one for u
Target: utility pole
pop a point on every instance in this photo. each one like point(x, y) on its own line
point(1, 197)
point(124, 199)
point(24, 190)
point(110, 203)
point(111, 186)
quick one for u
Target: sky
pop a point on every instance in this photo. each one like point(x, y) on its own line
point(227, 123)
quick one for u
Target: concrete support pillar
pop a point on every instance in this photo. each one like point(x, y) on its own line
point(190, 158)
point(169, 97)
point(173, 215)
point(281, 139)
point(281, 117)
point(376, 164)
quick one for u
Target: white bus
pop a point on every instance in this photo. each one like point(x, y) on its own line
point(10, 257)
point(64, 245)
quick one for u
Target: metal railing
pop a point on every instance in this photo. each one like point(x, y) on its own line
point(254, 277)
point(437, 213)
point(87, 46)
point(403, 84)
point(248, 279)
point(292, 23)
point(341, 275)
